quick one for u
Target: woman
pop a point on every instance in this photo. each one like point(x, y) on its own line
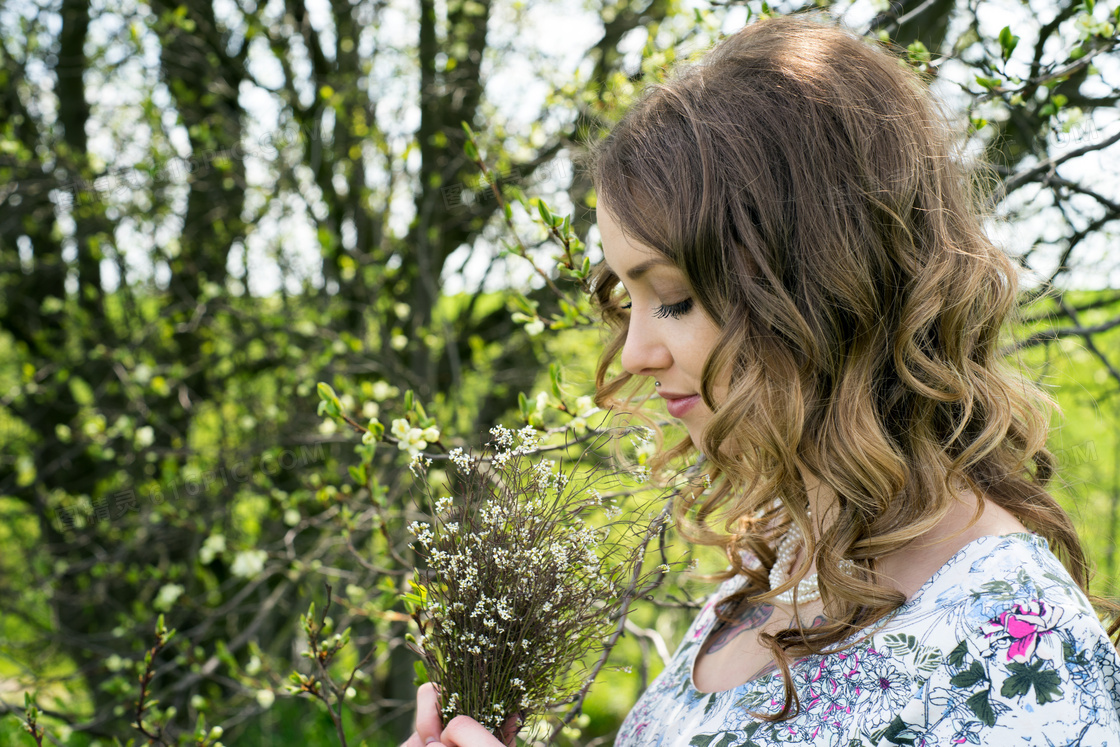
point(794, 262)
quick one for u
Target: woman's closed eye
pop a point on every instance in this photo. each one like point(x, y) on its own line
point(674, 310)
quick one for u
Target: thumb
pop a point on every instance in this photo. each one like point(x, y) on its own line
point(428, 722)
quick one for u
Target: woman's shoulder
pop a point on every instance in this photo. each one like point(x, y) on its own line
point(1008, 602)
point(998, 572)
point(1006, 644)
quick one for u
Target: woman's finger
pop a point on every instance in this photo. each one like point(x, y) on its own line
point(428, 722)
point(464, 731)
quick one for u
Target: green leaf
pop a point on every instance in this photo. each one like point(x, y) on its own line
point(1007, 42)
point(917, 51)
point(1044, 681)
point(546, 214)
point(970, 676)
point(554, 377)
point(981, 705)
point(928, 659)
point(358, 473)
point(895, 732)
point(989, 83)
point(900, 644)
point(956, 656)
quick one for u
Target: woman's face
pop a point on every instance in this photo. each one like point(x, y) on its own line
point(669, 336)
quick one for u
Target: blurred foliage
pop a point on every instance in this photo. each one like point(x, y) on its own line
point(161, 448)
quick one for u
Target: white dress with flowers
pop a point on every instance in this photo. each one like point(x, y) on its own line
point(999, 648)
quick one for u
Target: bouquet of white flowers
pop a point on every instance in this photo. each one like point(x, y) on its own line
point(521, 583)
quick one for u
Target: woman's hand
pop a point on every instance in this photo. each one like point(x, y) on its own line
point(463, 731)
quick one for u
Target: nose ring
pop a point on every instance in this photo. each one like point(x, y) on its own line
point(657, 383)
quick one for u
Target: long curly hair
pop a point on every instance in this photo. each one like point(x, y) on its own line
point(816, 197)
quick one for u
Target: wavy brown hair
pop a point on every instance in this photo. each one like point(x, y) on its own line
point(813, 193)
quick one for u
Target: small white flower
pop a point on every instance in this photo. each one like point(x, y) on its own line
point(502, 436)
point(585, 407)
point(167, 596)
point(418, 464)
point(144, 437)
point(400, 428)
point(431, 435)
point(265, 698)
point(459, 457)
point(421, 531)
point(214, 545)
point(248, 563)
point(535, 327)
point(413, 442)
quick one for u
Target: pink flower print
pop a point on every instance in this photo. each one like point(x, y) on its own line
point(1025, 625)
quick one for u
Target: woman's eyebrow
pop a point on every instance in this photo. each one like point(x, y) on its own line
point(640, 269)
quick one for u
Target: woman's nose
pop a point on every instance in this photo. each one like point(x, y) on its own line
point(644, 353)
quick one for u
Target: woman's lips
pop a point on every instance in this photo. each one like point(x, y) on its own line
point(679, 404)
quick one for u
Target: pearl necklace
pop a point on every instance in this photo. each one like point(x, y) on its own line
point(807, 589)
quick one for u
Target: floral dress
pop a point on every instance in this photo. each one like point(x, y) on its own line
point(1000, 647)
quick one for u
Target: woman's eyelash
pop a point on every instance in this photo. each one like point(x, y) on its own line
point(674, 310)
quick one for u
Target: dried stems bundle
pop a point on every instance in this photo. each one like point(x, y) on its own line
point(521, 586)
